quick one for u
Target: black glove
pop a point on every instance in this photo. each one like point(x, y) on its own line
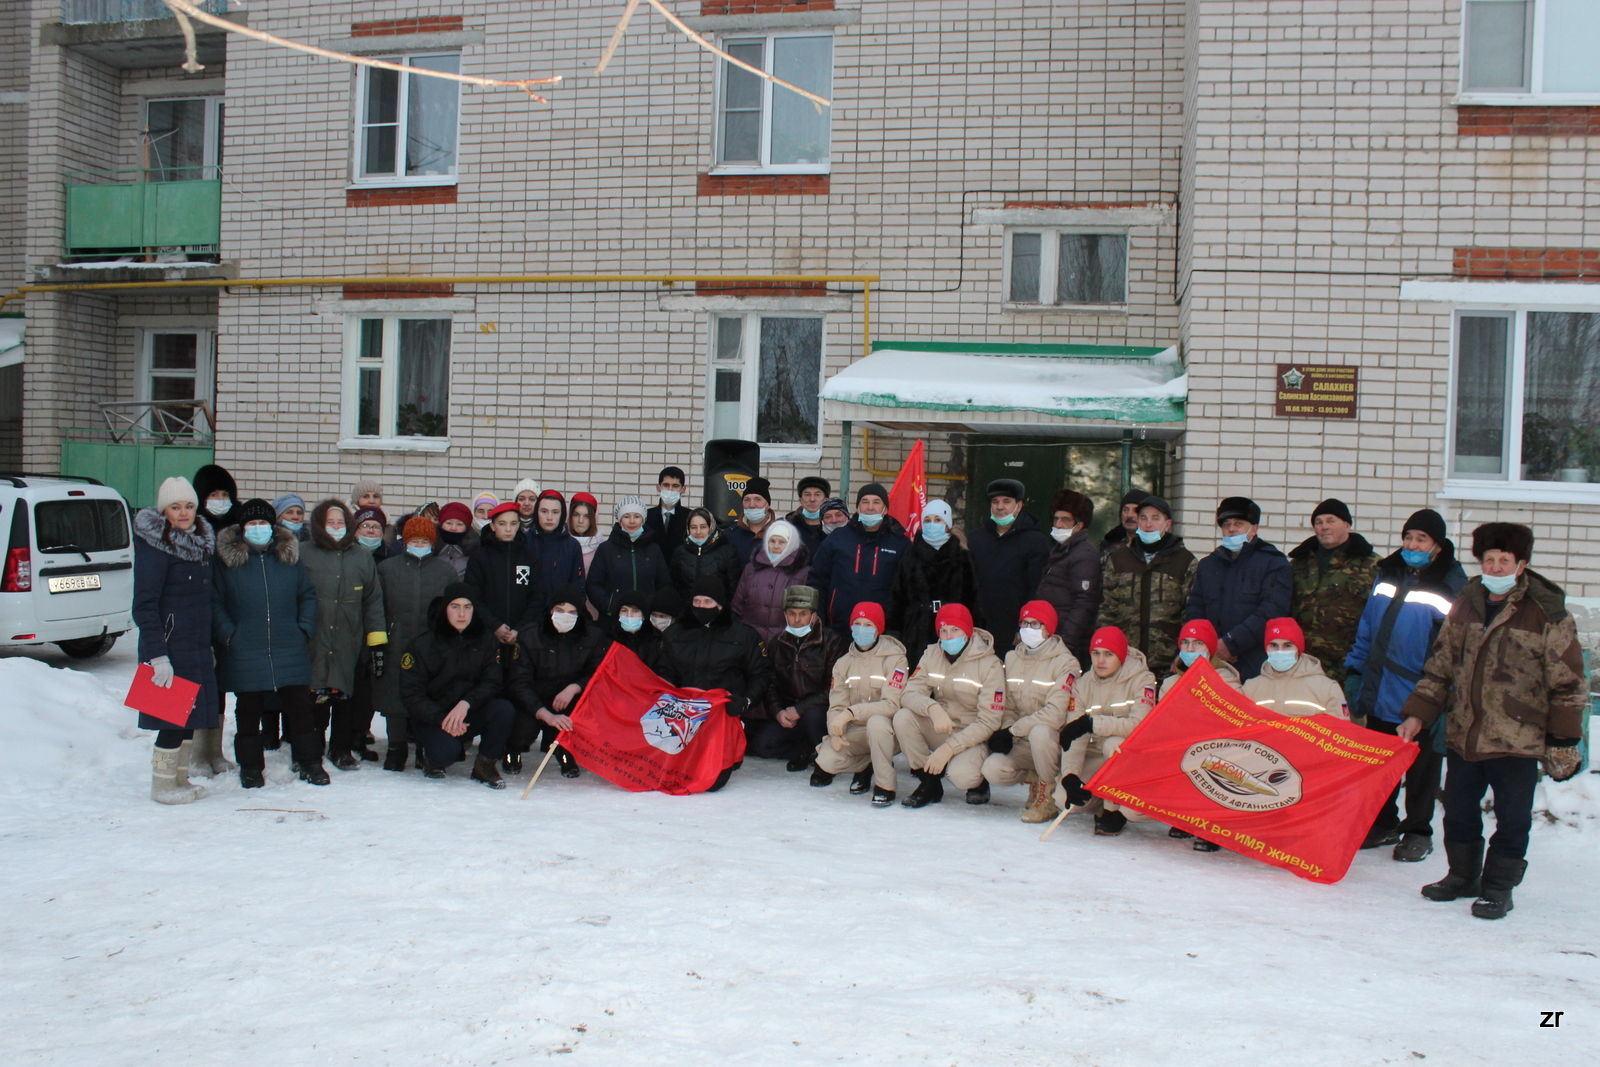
point(1076, 729)
point(737, 706)
point(1000, 741)
point(1077, 795)
point(375, 660)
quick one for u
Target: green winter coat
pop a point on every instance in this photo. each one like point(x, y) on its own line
point(1509, 684)
point(1329, 596)
point(349, 606)
point(1146, 600)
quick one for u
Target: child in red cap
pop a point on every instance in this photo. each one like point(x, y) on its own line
point(1041, 673)
point(1111, 699)
point(1291, 682)
point(952, 705)
point(868, 682)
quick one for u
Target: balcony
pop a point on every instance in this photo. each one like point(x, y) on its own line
point(138, 34)
point(85, 12)
point(122, 213)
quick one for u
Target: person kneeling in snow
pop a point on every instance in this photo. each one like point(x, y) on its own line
point(955, 701)
point(450, 681)
point(868, 682)
point(1041, 673)
point(1292, 683)
point(1113, 698)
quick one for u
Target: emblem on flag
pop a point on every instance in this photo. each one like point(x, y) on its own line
point(672, 722)
point(1242, 775)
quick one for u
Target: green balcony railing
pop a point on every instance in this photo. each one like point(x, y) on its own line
point(121, 212)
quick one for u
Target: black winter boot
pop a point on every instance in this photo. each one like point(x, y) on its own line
point(569, 766)
point(252, 762)
point(1466, 865)
point(1109, 823)
point(980, 795)
point(312, 773)
point(1501, 874)
point(395, 758)
point(860, 782)
point(820, 778)
point(930, 790)
point(882, 798)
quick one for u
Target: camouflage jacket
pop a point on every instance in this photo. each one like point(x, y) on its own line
point(1146, 600)
point(1328, 601)
point(1509, 683)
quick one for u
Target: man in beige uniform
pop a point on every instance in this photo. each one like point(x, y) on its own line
point(1292, 683)
point(868, 681)
point(952, 704)
point(1112, 698)
point(1040, 675)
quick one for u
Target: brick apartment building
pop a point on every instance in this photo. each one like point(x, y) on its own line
point(1286, 248)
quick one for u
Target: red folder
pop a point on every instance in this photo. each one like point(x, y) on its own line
point(172, 705)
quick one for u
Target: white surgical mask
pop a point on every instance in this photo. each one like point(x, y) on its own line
point(829, 527)
point(1282, 659)
point(870, 521)
point(1499, 583)
point(798, 631)
point(563, 621)
point(670, 498)
point(1032, 636)
point(1060, 535)
point(661, 622)
point(219, 507)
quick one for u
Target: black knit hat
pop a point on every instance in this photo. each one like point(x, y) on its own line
point(1006, 487)
point(1159, 503)
point(458, 591)
point(1426, 521)
point(712, 586)
point(1239, 507)
point(1136, 496)
point(1332, 506)
point(872, 489)
point(811, 481)
point(251, 510)
point(760, 487)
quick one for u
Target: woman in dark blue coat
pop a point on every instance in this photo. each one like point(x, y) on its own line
point(560, 555)
point(172, 607)
point(263, 615)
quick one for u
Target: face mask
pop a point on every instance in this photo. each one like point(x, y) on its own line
point(219, 507)
point(706, 616)
point(829, 527)
point(633, 535)
point(1150, 537)
point(753, 516)
point(1188, 658)
point(1415, 557)
point(631, 624)
point(563, 621)
point(420, 551)
point(452, 537)
point(1031, 636)
point(693, 540)
point(935, 533)
point(1004, 520)
point(1282, 659)
point(870, 521)
point(808, 513)
point(370, 542)
point(953, 645)
point(479, 524)
point(294, 527)
point(258, 535)
point(1059, 535)
point(773, 558)
point(1499, 584)
point(337, 533)
point(670, 498)
point(661, 622)
point(1233, 542)
point(798, 631)
point(863, 634)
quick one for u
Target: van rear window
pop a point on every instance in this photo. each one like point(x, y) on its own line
point(81, 525)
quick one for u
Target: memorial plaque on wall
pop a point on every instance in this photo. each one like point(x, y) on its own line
point(1306, 392)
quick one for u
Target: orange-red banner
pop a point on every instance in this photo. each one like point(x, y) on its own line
point(909, 494)
point(1299, 793)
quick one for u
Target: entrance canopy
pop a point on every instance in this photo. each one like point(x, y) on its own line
point(10, 340)
point(1001, 388)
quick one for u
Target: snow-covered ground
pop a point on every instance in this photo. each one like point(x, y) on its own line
point(388, 919)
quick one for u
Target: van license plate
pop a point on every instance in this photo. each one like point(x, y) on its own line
point(74, 583)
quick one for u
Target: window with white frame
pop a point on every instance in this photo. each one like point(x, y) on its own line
point(406, 124)
point(766, 127)
point(183, 138)
point(397, 376)
point(176, 365)
point(1530, 48)
point(1527, 389)
point(766, 373)
point(1066, 267)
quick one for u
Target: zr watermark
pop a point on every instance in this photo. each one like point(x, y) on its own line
point(1551, 1018)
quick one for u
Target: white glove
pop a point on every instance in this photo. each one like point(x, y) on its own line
point(162, 674)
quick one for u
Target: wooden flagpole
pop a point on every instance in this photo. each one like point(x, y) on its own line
point(542, 765)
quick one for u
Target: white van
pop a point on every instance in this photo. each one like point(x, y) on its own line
point(67, 576)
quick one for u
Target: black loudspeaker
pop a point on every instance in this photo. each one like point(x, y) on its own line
point(730, 465)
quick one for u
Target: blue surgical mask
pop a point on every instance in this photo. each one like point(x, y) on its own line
point(809, 514)
point(870, 521)
point(935, 533)
point(1003, 520)
point(693, 540)
point(293, 527)
point(1234, 542)
point(1415, 557)
point(258, 535)
point(335, 532)
point(1150, 537)
point(1498, 584)
point(1282, 659)
point(633, 535)
point(370, 542)
point(863, 634)
point(754, 515)
point(1188, 658)
point(420, 551)
point(953, 645)
point(797, 631)
point(631, 624)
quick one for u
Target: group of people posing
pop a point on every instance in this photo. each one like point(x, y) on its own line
point(1019, 654)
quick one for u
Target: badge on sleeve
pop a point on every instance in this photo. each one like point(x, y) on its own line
point(1150, 695)
point(999, 701)
point(897, 680)
point(1070, 683)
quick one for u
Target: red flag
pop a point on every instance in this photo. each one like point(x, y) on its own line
point(174, 704)
point(909, 494)
point(1299, 793)
point(636, 731)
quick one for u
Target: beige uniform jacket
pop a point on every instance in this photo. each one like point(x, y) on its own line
point(1301, 690)
point(1039, 686)
point(1117, 704)
point(1229, 674)
point(971, 690)
point(869, 683)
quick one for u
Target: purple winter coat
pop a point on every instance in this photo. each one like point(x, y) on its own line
point(758, 602)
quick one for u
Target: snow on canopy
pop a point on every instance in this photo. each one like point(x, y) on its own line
point(1077, 381)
